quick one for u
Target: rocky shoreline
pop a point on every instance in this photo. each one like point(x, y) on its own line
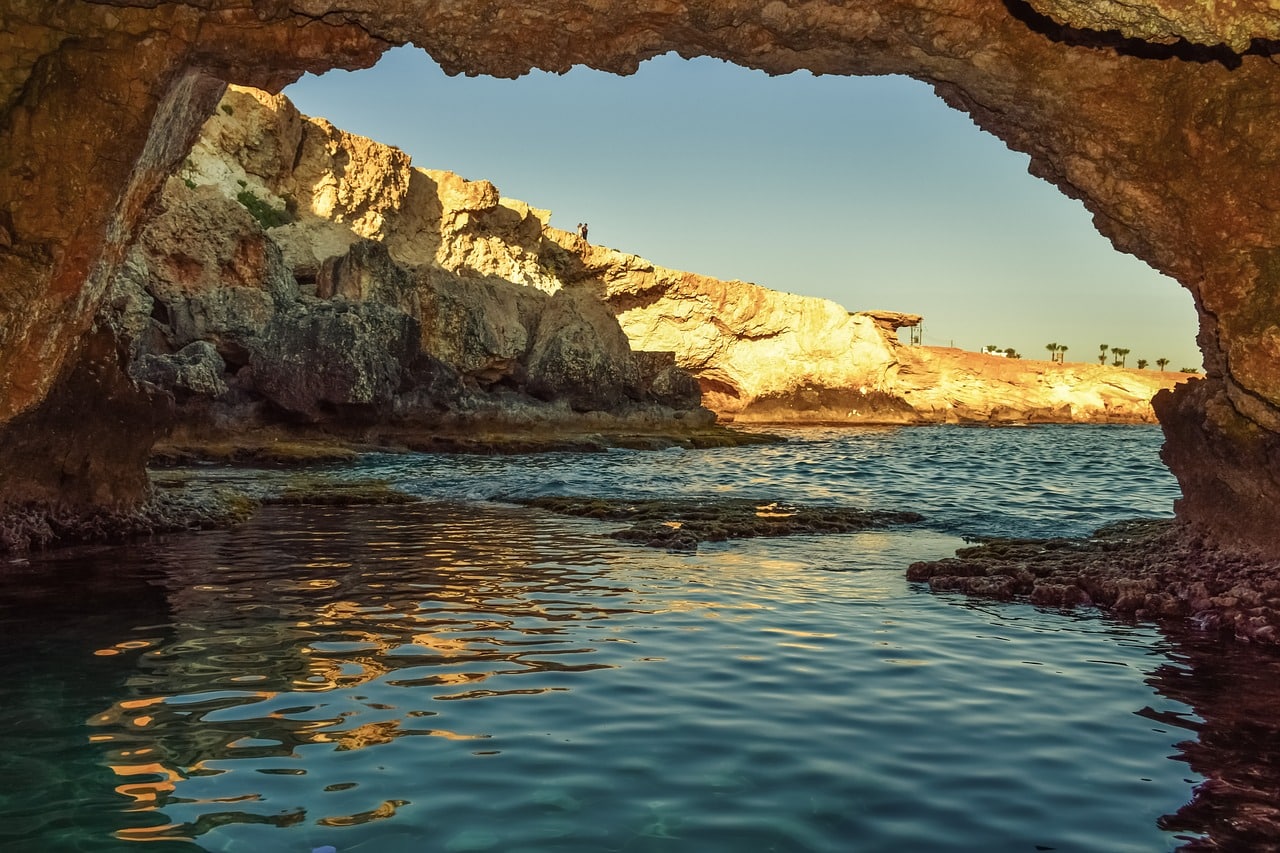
point(1153, 570)
point(178, 500)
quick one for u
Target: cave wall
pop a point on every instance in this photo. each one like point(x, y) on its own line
point(1159, 116)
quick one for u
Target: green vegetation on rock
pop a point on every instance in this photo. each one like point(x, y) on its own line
point(318, 489)
point(266, 215)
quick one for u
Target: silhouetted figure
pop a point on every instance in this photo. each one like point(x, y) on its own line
point(582, 231)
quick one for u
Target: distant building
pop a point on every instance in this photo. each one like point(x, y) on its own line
point(993, 351)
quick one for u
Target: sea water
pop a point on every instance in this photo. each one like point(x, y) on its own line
point(465, 674)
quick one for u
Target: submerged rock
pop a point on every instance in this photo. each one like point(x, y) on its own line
point(681, 524)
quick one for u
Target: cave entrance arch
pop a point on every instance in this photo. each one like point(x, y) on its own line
point(866, 191)
point(1160, 119)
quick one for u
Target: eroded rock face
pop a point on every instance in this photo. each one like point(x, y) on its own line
point(296, 274)
point(762, 356)
point(441, 290)
point(1164, 128)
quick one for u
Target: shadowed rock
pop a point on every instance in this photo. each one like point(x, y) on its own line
point(295, 274)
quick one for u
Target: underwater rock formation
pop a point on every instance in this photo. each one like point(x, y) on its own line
point(1159, 116)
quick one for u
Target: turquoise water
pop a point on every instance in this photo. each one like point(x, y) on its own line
point(467, 675)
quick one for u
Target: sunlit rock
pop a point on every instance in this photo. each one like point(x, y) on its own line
point(294, 273)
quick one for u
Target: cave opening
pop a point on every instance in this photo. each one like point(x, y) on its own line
point(868, 191)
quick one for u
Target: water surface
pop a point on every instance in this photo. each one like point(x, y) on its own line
point(466, 675)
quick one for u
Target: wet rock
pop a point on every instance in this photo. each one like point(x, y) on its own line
point(1156, 570)
point(331, 491)
point(1063, 596)
point(683, 524)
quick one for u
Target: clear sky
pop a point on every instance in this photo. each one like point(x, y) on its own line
point(867, 191)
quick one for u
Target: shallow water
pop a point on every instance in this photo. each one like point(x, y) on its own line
point(466, 675)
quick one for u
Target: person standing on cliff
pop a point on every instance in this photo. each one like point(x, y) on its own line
point(582, 231)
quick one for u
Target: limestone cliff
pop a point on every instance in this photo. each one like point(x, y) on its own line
point(294, 270)
point(768, 357)
point(1159, 115)
point(296, 274)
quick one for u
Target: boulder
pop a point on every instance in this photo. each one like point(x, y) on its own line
point(319, 359)
point(580, 354)
point(194, 370)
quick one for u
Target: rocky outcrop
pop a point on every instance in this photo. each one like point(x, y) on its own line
point(294, 273)
point(953, 386)
point(1158, 115)
point(762, 356)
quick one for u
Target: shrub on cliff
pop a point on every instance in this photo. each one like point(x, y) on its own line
point(267, 216)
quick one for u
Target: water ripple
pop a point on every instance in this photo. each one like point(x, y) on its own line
point(466, 676)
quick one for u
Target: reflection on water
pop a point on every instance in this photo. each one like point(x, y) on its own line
point(1231, 737)
point(489, 678)
point(468, 677)
point(343, 630)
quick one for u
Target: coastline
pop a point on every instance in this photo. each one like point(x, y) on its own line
point(174, 504)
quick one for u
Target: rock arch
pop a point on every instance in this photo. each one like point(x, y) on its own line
point(1159, 116)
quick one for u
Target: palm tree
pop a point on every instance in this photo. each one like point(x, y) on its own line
point(1120, 353)
point(1102, 356)
point(1062, 354)
point(1142, 364)
point(1162, 362)
point(1053, 351)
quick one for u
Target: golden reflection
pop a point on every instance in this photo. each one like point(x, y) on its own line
point(342, 648)
point(313, 584)
point(386, 810)
point(146, 795)
point(370, 734)
point(127, 645)
point(448, 647)
point(165, 832)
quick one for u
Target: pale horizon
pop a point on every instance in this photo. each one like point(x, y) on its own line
point(870, 192)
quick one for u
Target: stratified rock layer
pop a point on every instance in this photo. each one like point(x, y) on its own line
point(1159, 115)
point(762, 356)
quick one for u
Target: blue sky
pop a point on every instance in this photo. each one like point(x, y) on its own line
point(867, 191)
